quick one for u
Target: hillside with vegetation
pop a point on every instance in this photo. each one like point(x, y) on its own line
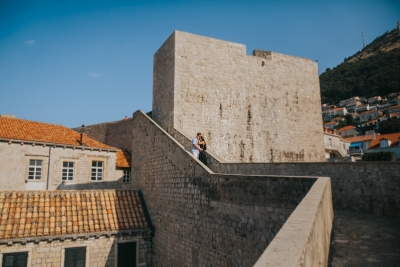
point(374, 70)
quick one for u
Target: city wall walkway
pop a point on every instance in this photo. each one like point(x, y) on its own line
point(364, 240)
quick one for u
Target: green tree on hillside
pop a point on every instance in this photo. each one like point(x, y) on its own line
point(375, 75)
point(389, 126)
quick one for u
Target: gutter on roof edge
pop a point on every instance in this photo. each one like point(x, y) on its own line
point(10, 141)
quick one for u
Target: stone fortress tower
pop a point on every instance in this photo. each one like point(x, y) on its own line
point(260, 108)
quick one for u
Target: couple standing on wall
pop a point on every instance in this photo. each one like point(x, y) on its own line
point(198, 147)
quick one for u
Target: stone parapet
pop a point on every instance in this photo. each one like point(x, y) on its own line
point(201, 217)
point(369, 187)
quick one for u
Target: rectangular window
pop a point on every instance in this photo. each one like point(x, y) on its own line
point(384, 143)
point(68, 171)
point(127, 254)
point(35, 169)
point(97, 170)
point(127, 177)
point(365, 146)
point(15, 259)
point(75, 257)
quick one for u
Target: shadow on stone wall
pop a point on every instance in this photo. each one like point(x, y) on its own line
point(202, 217)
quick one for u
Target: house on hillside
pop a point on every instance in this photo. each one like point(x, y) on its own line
point(347, 131)
point(394, 109)
point(362, 108)
point(372, 125)
point(338, 119)
point(328, 111)
point(351, 107)
point(370, 115)
point(374, 99)
point(330, 125)
point(42, 156)
point(360, 144)
point(354, 116)
point(345, 102)
point(336, 148)
point(386, 143)
point(340, 111)
point(394, 115)
point(394, 98)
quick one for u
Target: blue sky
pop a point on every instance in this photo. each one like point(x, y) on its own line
point(86, 62)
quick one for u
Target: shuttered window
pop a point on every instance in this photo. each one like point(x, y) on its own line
point(15, 259)
point(75, 257)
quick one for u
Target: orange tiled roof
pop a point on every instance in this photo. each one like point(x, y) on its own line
point(346, 128)
point(28, 214)
point(24, 130)
point(394, 107)
point(393, 137)
point(360, 138)
point(123, 159)
point(331, 122)
point(368, 112)
point(363, 106)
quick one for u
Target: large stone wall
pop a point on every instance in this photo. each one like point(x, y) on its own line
point(163, 84)
point(116, 134)
point(201, 217)
point(100, 250)
point(15, 164)
point(369, 187)
point(262, 108)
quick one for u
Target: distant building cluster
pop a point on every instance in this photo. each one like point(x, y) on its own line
point(363, 132)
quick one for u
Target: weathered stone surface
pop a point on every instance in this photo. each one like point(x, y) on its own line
point(249, 108)
point(228, 220)
point(116, 134)
point(15, 165)
point(359, 186)
point(100, 251)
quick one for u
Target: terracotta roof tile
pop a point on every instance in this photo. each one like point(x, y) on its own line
point(394, 107)
point(123, 159)
point(27, 214)
point(360, 138)
point(368, 112)
point(393, 137)
point(24, 130)
point(346, 128)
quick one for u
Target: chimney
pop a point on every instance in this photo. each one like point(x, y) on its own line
point(373, 136)
point(81, 141)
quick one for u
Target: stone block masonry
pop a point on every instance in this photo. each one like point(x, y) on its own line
point(202, 218)
point(368, 187)
point(261, 108)
point(116, 134)
point(100, 251)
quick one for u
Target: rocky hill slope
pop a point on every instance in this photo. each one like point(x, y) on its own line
point(374, 70)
